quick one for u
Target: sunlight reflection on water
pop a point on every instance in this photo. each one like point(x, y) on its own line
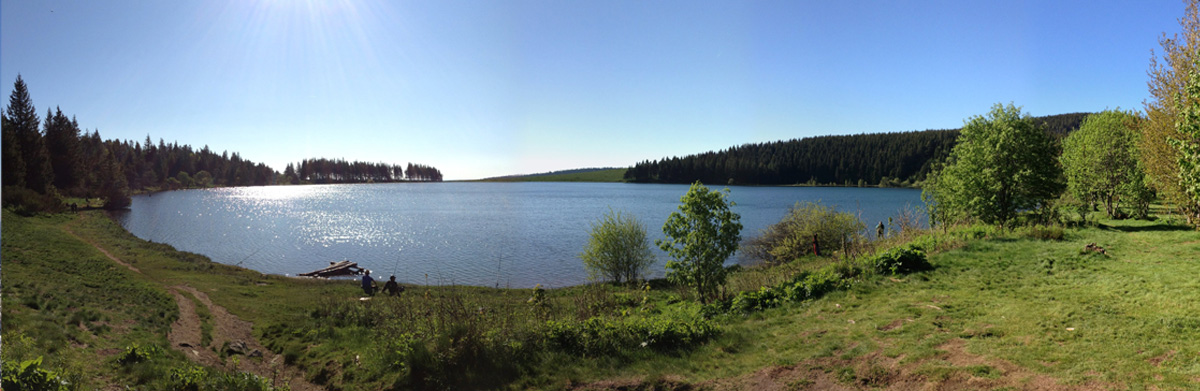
point(490, 234)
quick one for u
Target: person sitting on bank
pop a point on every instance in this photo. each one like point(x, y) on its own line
point(391, 288)
point(368, 284)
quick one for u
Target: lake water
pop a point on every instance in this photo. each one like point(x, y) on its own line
point(489, 234)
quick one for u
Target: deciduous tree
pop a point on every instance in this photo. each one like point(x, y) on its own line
point(1003, 164)
point(1168, 78)
point(1100, 162)
point(1187, 143)
point(701, 235)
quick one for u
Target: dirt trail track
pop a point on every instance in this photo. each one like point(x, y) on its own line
point(185, 335)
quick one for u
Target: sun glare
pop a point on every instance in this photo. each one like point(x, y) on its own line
point(278, 193)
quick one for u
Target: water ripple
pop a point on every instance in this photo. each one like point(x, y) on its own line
point(488, 234)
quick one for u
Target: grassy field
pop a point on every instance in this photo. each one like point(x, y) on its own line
point(609, 175)
point(1003, 311)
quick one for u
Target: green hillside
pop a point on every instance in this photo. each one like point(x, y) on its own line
point(869, 159)
point(580, 175)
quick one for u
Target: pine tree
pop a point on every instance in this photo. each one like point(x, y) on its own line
point(13, 165)
point(62, 144)
point(24, 119)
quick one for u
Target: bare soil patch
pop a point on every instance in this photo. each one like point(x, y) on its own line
point(1158, 360)
point(955, 369)
point(234, 337)
point(231, 336)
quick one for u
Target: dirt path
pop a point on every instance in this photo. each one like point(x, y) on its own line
point(102, 250)
point(874, 371)
point(229, 332)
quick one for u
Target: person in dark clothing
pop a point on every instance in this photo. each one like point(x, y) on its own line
point(368, 284)
point(391, 288)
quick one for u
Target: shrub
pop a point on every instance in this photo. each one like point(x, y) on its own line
point(900, 260)
point(599, 336)
point(977, 232)
point(792, 237)
point(617, 248)
point(135, 354)
point(187, 378)
point(1044, 233)
point(812, 285)
point(27, 202)
point(817, 284)
point(29, 375)
point(764, 298)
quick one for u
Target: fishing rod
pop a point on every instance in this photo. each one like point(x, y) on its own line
point(248, 256)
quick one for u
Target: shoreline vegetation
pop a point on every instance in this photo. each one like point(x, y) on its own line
point(47, 159)
point(1021, 281)
point(606, 174)
point(997, 308)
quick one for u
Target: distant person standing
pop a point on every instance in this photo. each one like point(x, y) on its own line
point(368, 284)
point(391, 288)
point(879, 230)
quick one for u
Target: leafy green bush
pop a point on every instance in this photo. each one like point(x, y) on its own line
point(812, 285)
point(29, 375)
point(135, 354)
point(817, 284)
point(805, 286)
point(189, 378)
point(600, 336)
point(617, 248)
point(1044, 233)
point(27, 202)
point(750, 301)
point(900, 260)
point(976, 232)
point(792, 237)
point(196, 378)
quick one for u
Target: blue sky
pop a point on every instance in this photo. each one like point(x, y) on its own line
point(487, 88)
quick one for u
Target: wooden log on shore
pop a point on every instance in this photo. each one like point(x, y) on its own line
point(336, 269)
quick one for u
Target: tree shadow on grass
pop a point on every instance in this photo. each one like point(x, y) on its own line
point(1157, 227)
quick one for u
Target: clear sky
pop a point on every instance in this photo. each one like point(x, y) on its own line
point(487, 88)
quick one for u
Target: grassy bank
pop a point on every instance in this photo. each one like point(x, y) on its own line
point(999, 310)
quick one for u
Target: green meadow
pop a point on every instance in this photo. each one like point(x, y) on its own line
point(1001, 310)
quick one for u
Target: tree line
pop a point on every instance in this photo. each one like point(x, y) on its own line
point(1004, 168)
point(342, 171)
point(51, 157)
point(884, 159)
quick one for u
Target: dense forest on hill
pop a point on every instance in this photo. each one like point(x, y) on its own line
point(887, 159)
point(51, 156)
point(550, 173)
point(342, 171)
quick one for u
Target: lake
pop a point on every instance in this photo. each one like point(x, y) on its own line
point(489, 234)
